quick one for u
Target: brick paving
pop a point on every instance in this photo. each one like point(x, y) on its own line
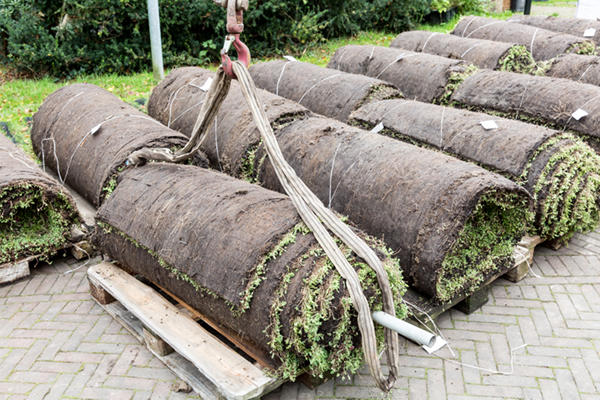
point(55, 342)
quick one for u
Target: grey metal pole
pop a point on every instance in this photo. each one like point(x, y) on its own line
point(155, 41)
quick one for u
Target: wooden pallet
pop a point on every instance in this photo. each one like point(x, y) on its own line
point(427, 308)
point(212, 368)
point(14, 271)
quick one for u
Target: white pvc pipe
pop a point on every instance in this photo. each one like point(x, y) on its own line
point(407, 330)
point(155, 40)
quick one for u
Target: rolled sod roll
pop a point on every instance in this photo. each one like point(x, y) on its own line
point(486, 54)
point(419, 76)
point(582, 28)
point(86, 133)
point(540, 100)
point(307, 86)
point(543, 44)
point(558, 169)
point(452, 224)
point(240, 255)
point(36, 213)
point(575, 67)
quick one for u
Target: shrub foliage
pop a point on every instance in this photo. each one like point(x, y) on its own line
point(70, 37)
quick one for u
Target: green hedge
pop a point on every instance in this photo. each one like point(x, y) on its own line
point(70, 37)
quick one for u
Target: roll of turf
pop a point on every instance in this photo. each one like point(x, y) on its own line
point(575, 67)
point(240, 255)
point(307, 87)
point(558, 169)
point(419, 76)
point(582, 28)
point(36, 213)
point(540, 100)
point(541, 43)
point(86, 133)
point(486, 54)
point(452, 224)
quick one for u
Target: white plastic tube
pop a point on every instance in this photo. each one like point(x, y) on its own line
point(407, 330)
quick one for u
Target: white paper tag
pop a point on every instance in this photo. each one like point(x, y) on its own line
point(489, 125)
point(96, 128)
point(579, 114)
point(439, 343)
point(378, 128)
point(206, 85)
point(589, 32)
point(290, 58)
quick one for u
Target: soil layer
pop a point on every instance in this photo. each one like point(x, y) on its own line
point(579, 68)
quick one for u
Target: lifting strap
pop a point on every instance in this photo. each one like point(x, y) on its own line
point(311, 209)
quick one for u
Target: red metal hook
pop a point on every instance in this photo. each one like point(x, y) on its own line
point(242, 51)
point(235, 26)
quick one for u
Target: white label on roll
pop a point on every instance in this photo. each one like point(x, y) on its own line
point(579, 114)
point(589, 32)
point(378, 128)
point(489, 125)
point(206, 85)
point(290, 58)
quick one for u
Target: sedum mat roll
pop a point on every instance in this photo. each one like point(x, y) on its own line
point(240, 255)
point(86, 134)
point(541, 43)
point(36, 212)
point(486, 54)
point(430, 208)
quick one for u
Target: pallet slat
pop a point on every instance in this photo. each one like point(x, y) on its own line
point(234, 377)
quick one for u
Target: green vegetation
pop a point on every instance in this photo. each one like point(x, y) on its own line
point(307, 348)
point(32, 224)
point(517, 59)
point(485, 245)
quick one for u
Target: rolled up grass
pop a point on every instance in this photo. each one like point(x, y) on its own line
point(419, 76)
point(578, 68)
point(307, 86)
point(497, 56)
point(86, 133)
point(540, 100)
point(564, 182)
point(558, 169)
point(570, 26)
point(36, 213)
point(429, 208)
point(543, 44)
point(240, 255)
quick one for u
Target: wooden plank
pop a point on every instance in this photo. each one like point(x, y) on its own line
point(245, 345)
point(234, 377)
point(181, 367)
point(11, 272)
point(523, 258)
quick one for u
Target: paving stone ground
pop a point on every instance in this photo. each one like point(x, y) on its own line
point(55, 342)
